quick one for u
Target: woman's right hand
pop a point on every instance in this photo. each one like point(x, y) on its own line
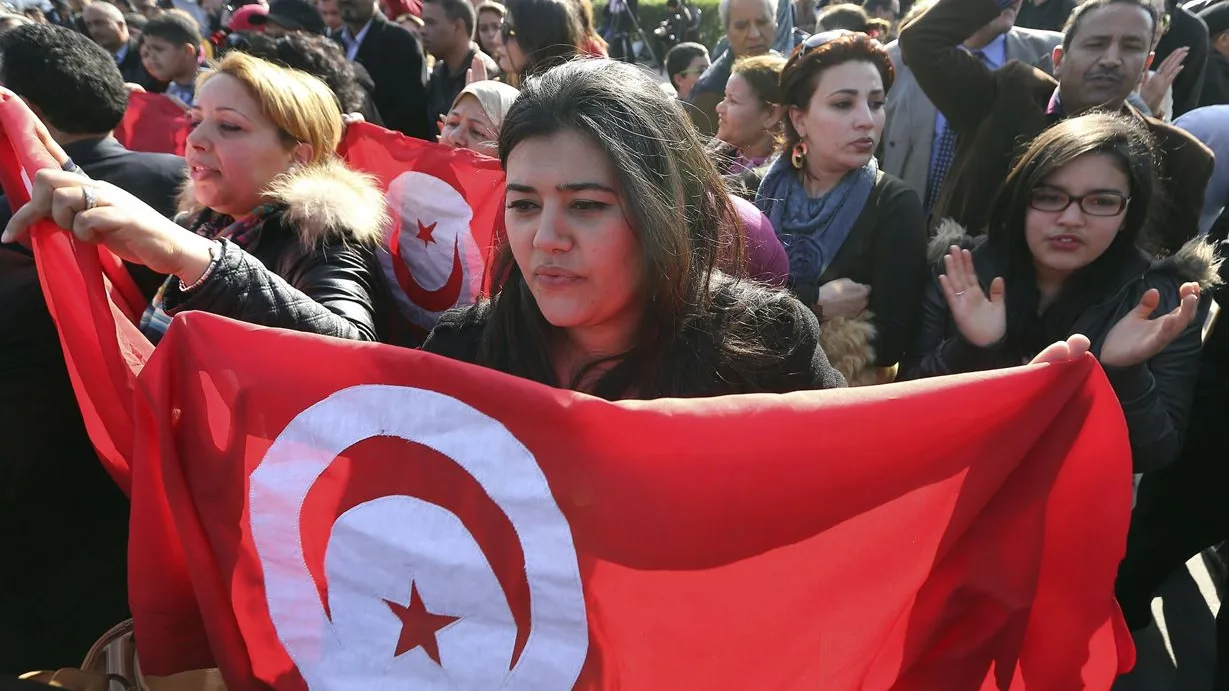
point(981, 320)
point(843, 298)
point(117, 220)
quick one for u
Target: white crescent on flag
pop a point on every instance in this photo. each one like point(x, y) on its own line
point(433, 262)
point(413, 601)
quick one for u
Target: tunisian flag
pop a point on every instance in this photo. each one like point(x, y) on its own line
point(447, 211)
point(399, 520)
point(154, 123)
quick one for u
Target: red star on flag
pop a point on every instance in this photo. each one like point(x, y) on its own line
point(418, 625)
point(425, 232)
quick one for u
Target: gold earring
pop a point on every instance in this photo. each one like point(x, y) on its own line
point(798, 157)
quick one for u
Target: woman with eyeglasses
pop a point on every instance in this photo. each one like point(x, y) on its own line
point(855, 236)
point(1063, 256)
point(537, 35)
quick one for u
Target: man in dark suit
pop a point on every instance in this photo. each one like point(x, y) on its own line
point(107, 26)
point(394, 59)
point(62, 521)
point(994, 113)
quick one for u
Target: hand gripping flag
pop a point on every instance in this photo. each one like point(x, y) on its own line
point(447, 210)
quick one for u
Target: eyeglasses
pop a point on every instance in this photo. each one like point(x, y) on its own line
point(1093, 204)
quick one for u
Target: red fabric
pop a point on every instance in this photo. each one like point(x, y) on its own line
point(725, 544)
point(153, 123)
point(447, 213)
point(398, 518)
point(102, 347)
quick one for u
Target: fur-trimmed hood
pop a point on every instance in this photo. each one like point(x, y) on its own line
point(325, 202)
point(1195, 261)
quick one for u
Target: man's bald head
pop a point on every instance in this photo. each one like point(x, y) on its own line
point(106, 25)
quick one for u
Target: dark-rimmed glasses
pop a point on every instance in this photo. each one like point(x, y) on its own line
point(1094, 203)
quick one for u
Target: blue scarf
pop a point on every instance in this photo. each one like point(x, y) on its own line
point(813, 230)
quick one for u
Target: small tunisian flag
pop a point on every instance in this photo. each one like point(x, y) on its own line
point(447, 209)
point(153, 123)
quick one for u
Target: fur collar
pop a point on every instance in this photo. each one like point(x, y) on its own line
point(1195, 261)
point(325, 202)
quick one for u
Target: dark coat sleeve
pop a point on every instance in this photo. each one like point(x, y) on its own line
point(940, 349)
point(331, 291)
point(402, 99)
point(960, 85)
point(1156, 396)
point(806, 366)
point(898, 276)
point(458, 333)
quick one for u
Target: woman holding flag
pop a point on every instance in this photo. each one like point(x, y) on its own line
point(279, 232)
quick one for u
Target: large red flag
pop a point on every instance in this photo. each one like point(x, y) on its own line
point(446, 205)
point(102, 347)
point(153, 123)
point(400, 519)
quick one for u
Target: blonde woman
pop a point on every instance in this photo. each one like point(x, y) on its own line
point(275, 230)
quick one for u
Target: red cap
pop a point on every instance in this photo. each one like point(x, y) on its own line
point(241, 19)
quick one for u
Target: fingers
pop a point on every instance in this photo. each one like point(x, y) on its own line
point(1074, 348)
point(998, 288)
point(1079, 345)
point(1189, 289)
point(56, 194)
point(1148, 303)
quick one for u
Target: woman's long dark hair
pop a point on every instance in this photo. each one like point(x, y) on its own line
point(675, 202)
point(1132, 150)
point(548, 32)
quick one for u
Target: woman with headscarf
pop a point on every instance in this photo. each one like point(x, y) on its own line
point(476, 117)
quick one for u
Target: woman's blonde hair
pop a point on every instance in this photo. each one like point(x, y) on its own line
point(302, 107)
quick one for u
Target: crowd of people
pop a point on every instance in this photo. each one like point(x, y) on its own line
point(829, 195)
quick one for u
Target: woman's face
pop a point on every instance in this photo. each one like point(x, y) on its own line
point(488, 30)
point(1064, 240)
point(468, 127)
point(844, 119)
point(571, 238)
point(742, 118)
point(507, 51)
point(233, 151)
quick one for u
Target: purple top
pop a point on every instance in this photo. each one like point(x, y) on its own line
point(766, 260)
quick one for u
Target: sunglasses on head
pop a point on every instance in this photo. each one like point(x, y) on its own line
point(816, 40)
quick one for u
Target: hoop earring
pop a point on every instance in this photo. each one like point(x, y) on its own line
point(798, 157)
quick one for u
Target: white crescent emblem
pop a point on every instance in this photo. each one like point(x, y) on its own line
point(403, 552)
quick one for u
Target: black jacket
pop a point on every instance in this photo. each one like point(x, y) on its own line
point(63, 522)
point(1155, 396)
point(1186, 30)
point(394, 59)
point(133, 70)
point(313, 267)
point(1216, 81)
point(784, 326)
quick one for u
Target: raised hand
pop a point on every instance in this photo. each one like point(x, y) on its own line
point(476, 71)
point(843, 298)
point(1154, 85)
point(1137, 337)
point(981, 320)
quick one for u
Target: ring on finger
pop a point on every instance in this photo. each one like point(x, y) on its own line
point(89, 197)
